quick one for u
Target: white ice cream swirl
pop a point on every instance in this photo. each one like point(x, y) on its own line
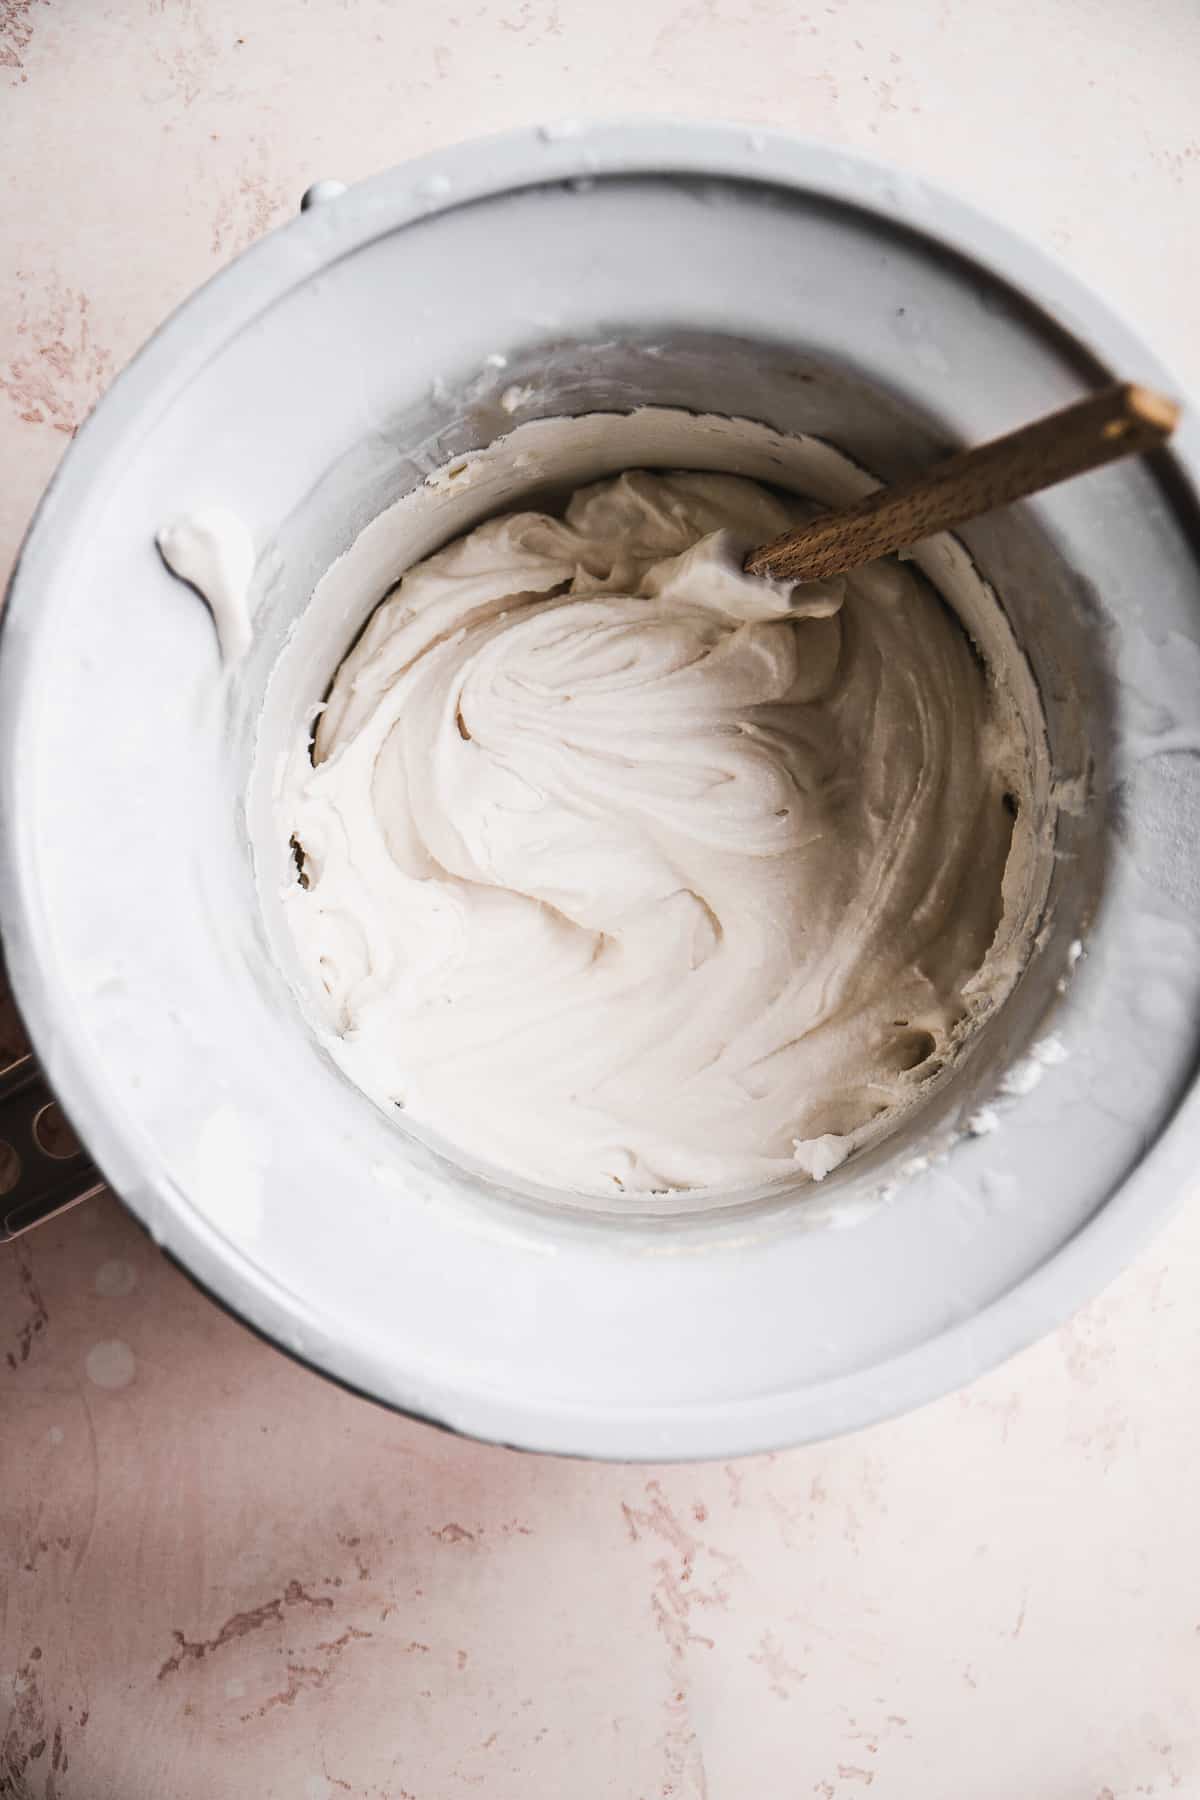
point(626, 871)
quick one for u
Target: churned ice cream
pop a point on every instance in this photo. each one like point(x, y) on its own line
point(625, 871)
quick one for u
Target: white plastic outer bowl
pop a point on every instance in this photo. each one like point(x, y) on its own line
point(311, 384)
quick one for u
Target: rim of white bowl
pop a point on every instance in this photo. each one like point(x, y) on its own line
point(230, 301)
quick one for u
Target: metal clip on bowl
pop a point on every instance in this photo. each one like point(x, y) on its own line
point(44, 1169)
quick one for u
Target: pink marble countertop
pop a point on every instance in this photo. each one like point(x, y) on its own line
point(224, 1577)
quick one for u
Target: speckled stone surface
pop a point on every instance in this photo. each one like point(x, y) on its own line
point(223, 1577)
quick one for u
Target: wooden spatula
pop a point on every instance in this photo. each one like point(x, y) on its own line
point(1120, 421)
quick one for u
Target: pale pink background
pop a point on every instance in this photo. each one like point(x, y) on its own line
point(226, 1578)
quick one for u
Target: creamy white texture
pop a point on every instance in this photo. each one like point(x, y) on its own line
point(212, 550)
point(626, 871)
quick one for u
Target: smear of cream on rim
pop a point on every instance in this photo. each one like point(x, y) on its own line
point(212, 550)
point(1025, 1074)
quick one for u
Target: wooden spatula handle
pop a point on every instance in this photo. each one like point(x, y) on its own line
point(1120, 421)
